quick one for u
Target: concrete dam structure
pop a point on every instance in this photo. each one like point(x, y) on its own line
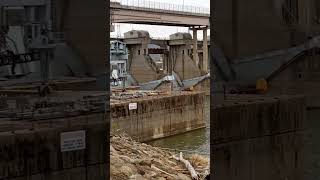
point(179, 57)
point(149, 115)
point(181, 69)
point(140, 64)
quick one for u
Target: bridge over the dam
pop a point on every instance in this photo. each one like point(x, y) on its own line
point(164, 14)
point(155, 13)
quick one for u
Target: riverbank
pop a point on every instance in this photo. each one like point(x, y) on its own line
point(133, 160)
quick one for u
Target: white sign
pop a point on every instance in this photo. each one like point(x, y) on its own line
point(71, 141)
point(133, 106)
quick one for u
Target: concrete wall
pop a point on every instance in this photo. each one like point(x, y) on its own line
point(31, 150)
point(312, 145)
point(247, 28)
point(139, 66)
point(183, 64)
point(159, 117)
point(258, 138)
point(85, 25)
point(300, 77)
point(141, 70)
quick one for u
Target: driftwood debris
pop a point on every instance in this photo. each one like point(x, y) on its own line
point(188, 165)
point(134, 160)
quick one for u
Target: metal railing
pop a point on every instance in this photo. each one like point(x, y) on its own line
point(164, 7)
point(153, 38)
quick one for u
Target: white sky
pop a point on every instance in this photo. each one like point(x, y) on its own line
point(161, 31)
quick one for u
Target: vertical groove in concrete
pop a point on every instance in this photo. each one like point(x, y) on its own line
point(235, 16)
point(260, 139)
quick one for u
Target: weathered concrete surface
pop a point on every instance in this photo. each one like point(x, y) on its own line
point(159, 116)
point(183, 65)
point(256, 137)
point(300, 76)
point(241, 34)
point(312, 145)
point(140, 64)
point(36, 152)
point(30, 142)
point(84, 23)
point(265, 158)
point(142, 71)
point(181, 59)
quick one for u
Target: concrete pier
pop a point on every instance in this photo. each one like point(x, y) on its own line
point(158, 116)
point(180, 56)
point(205, 51)
point(195, 46)
point(256, 137)
point(140, 64)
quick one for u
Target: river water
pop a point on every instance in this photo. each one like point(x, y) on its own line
point(197, 141)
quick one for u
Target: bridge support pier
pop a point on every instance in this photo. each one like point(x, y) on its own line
point(203, 62)
point(195, 46)
point(180, 56)
point(140, 65)
point(205, 50)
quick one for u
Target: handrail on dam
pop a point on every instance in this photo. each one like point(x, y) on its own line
point(162, 7)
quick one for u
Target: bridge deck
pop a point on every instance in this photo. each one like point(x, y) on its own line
point(160, 14)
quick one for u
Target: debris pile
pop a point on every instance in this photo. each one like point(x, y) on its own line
point(133, 160)
point(135, 94)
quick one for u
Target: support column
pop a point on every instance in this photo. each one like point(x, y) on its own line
point(48, 15)
point(205, 50)
point(165, 65)
point(144, 46)
point(195, 46)
point(2, 25)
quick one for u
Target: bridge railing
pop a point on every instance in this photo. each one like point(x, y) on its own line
point(159, 6)
point(153, 38)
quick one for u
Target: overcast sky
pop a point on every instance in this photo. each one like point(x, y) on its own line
point(161, 31)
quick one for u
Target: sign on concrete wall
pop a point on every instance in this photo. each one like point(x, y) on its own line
point(71, 141)
point(133, 106)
